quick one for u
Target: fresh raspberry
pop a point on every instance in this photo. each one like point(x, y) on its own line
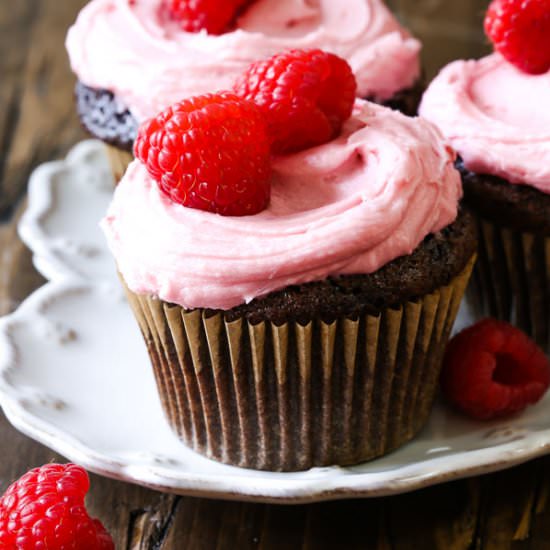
point(44, 510)
point(305, 94)
point(213, 16)
point(520, 31)
point(493, 369)
point(209, 152)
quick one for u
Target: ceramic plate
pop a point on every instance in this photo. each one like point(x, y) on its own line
point(74, 375)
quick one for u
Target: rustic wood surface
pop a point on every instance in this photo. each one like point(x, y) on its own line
point(37, 123)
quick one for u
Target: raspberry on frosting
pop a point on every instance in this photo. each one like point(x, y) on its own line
point(209, 152)
point(45, 510)
point(493, 369)
point(520, 31)
point(212, 16)
point(306, 96)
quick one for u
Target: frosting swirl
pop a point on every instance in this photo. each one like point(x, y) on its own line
point(149, 63)
point(349, 206)
point(490, 112)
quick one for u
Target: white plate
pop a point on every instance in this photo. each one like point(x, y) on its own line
point(74, 374)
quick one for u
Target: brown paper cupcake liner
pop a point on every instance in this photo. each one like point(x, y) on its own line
point(119, 160)
point(511, 280)
point(291, 397)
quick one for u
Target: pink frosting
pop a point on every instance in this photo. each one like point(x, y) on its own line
point(496, 117)
point(349, 206)
point(150, 63)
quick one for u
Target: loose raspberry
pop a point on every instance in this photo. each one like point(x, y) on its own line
point(209, 152)
point(493, 369)
point(520, 31)
point(213, 16)
point(45, 510)
point(305, 94)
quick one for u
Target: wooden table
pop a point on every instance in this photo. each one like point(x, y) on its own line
point(37, 123)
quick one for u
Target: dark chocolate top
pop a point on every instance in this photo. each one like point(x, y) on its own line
point(407, 101)
point(521, 207)
point(433, 264)
point(104, 117)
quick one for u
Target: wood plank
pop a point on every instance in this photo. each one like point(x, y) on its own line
point(511, 498)
point(539, 538)
point(450, 511)
point(37, 122)
point(40, 121)
point(15, 30)
point(353, 524)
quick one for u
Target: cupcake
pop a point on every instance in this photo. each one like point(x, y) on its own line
point(295, 308)
point(133, 59)
point(490, 112)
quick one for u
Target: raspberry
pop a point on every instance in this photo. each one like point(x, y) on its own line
point(493, 369)
point(213, 16)
point(45, 510)
point(520, 31)
point(209, 152)
point(305, 94)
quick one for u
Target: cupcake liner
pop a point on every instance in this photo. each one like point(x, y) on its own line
point(119, 159)
point(291, 397)
point(511, 280)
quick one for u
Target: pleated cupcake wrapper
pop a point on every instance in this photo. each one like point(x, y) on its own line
point(511, 280)
point(294, 396)
point(119, 159)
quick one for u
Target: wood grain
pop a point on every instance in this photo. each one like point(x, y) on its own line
point(508, 510)
point(38, 121)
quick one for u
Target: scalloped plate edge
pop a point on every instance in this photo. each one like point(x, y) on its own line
point(40, 202)
point(292, 491)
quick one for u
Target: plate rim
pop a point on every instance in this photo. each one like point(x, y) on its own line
point(39, 202)
point(403, 479)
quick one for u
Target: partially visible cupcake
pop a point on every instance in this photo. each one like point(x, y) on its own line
point(307, 328)
point(493, 114)
point(133, 59)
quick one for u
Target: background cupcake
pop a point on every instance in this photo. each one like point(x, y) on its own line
point(310, 331)
point(490, 112)
point(133, 59)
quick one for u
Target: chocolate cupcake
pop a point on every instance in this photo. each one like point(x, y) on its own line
point(132, 60)
point(312, 332)
point(490, 113)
